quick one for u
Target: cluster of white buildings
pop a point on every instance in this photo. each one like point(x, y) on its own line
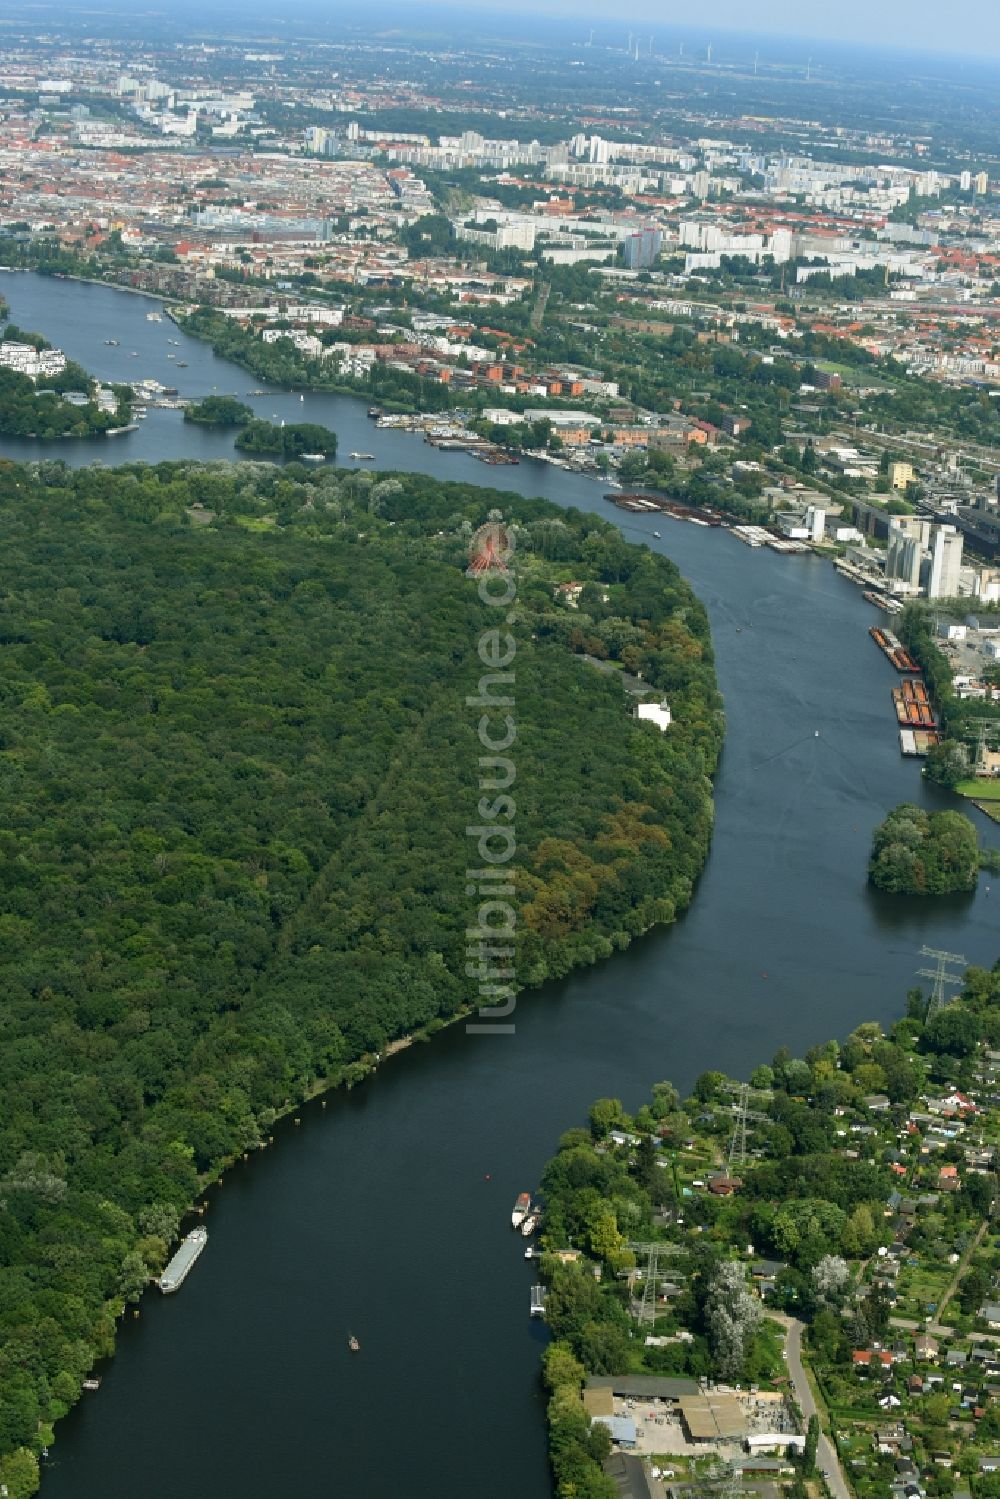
point(176, 112)
point(25, 359)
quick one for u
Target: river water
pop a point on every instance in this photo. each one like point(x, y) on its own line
point(387, 1212)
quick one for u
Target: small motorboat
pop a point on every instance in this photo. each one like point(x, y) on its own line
point(657, 535)
point(353, 1344)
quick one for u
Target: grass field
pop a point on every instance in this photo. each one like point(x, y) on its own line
point(980, 790)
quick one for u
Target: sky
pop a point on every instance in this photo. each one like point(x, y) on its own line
point(969, 27)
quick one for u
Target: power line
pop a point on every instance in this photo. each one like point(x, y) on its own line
point(738, 1143)
point(741, 1113)
point(940, 975)
point(652, 1253)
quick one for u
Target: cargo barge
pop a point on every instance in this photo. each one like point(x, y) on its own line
point(913, 707)
point(637, 501)
point(882, 601)
point(917, 742)
point(893, 648)
point(182, 1262)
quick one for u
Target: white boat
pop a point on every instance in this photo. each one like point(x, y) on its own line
point(529, 1225)
point(313, 457)
point(657, 535)
point(529, 1253)
point(522, 1208)
point(363, 457)
point(154, 317)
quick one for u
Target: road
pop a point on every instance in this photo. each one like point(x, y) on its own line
point(827, 1457)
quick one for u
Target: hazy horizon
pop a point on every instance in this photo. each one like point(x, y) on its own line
point(968, 28)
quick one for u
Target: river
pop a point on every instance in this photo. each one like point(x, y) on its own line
point(387, 1212)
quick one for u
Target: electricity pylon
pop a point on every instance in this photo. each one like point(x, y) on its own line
point(940, 975)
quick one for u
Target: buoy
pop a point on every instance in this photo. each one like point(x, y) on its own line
point(763, 975)
point(489, 1178)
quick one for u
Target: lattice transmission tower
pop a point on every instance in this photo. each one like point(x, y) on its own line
point(942, 979)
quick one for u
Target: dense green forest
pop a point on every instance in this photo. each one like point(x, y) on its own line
point(920, 853)
point(219, 411)
point(289, 441)
point(238, 767)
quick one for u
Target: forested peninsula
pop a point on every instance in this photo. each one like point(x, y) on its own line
point(238, 767)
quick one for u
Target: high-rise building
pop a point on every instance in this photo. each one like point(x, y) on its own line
point(965, 182)
point(908, 542)
point(600, 151)
point(815, 522)
point(641, 249)
point(946, 563)
point(983, 183)
point(320, 141)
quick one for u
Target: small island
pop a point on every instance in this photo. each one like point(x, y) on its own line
point(294, 441)
point(920, 853)
point(219, 411)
